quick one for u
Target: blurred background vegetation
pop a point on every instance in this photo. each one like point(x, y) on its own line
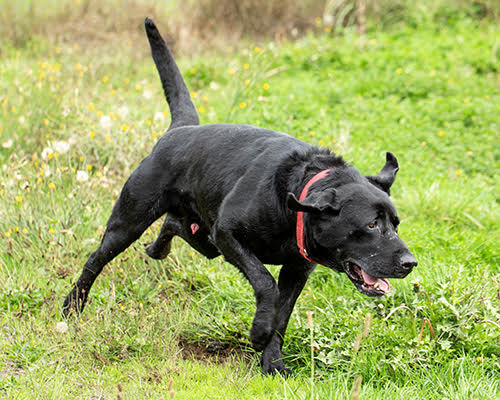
point(192, 25)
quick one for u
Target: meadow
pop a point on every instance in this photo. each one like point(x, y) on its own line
point(76, 119)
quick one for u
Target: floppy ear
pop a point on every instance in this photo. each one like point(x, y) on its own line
point(385, 178)
point(316, 202)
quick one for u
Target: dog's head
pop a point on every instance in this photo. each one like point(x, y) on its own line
point(353, 228)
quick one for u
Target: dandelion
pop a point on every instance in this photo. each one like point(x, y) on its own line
point(105, 121)
point(246, 66)
point(192, 94)
point(92, 134)
point(441, 133)
point(107, 138)
point(257, 49)
point(432, 73)
point(193, 70)
point(19, 199)
point(328, 29)
point(89, 167)
point(105, 78)
point(479, 359)
point(247, 82)
point(52, 186)
point(51, 230)
point(201, 109)
point(230, 71)
point(266, 86)
point(243, 104)
point(424, 143)
point(459, 171)
point(82, 176)
point(45, 121)
point(61, 147)
point(317, 20)
point(123, 111)
point(399, 71)
point(99, 114)
point(25, 231)
point(159, 116)
point(148, 122)
point(125, 128)
point(62, 327)
point(138, 87)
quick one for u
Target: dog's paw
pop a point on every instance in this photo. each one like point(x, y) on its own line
point(156, 252)
point(73, 304)
point(272, 364)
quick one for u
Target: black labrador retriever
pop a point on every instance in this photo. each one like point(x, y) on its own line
point(256, 197)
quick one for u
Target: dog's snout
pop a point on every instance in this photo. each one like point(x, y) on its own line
point(408, 262)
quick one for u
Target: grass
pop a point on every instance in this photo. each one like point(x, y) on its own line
point(430, 95)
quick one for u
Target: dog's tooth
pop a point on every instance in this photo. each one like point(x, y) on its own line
point(376, 285)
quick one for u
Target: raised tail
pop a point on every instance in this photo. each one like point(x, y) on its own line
point(179, 100)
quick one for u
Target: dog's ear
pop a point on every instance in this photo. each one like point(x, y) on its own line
point(315, 202)
point(385, 178)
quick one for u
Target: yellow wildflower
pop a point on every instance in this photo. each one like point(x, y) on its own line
point(266, 86)
point(243, 104)
point(52, 186)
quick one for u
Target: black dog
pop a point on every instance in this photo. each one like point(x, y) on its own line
point(256, 197)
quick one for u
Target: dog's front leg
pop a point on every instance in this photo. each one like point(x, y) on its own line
point(290, 283)
point(264, 286)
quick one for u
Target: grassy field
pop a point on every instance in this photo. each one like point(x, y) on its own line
point(75, 120)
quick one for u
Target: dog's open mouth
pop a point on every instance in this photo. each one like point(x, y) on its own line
point(366, 283)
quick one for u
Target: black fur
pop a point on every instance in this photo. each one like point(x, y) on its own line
point(240, 184)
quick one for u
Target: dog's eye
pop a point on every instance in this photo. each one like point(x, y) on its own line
point(372, 225)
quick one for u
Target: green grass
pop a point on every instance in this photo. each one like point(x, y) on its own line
point(430, 95)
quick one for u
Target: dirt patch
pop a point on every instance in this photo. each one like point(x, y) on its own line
point(213, 351)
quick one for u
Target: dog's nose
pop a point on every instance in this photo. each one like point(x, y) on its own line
point(408, 262)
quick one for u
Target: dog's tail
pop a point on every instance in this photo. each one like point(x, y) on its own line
point(179, 100)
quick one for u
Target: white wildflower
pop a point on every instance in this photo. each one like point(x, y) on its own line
point(159, 116)
point(123, 111)
point(105, 121)
point(7, 144)
point(46, 152)
point(82, 176)
point(147, 94)
point(61, 147)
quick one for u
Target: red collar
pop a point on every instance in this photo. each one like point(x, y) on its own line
point(300, 215)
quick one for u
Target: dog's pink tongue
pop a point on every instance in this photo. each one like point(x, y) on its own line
point(383, 284)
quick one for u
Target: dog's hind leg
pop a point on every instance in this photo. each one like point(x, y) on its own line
point(141, 202)
point(197, 239)
point(290, 283)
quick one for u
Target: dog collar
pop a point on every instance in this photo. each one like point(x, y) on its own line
point(300, 215)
